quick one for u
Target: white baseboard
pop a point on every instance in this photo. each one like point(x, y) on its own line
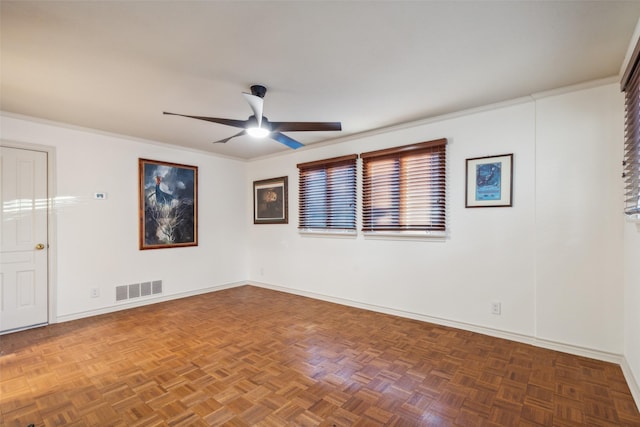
point(631, 380)
point(146, 301)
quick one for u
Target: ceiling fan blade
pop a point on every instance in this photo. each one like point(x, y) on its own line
point(284, 139)
point(228, 122)
point(305, 126)
point(256, 104)
point(242, 132)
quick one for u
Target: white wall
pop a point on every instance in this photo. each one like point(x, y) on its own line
point(579, 295)
point(96, 242)
point(553, 259)
point(632, 302)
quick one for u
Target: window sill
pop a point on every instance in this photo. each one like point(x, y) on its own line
point(327, 232)
point(382, 235)
point(407, 235)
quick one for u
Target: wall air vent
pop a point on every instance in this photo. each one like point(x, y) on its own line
point(137, 290)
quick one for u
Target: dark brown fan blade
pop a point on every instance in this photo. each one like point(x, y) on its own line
point(305, 126)
point(284, 139)
point(242, 132)
point(228, 122)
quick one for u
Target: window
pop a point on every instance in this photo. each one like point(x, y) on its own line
point(328, 194)
point(404, 188)
point(631, 163)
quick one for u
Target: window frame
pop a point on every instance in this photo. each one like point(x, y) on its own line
point(437, 170)
point(630, 85)
point(331, 167)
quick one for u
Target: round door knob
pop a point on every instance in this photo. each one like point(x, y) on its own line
point(39, 246)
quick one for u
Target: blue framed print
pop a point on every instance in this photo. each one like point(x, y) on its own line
point(489, 181)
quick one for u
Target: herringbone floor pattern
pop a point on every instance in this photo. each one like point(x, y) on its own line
point(254, 357)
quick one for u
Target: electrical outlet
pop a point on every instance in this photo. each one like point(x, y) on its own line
point(95, 292)
point(496, 308)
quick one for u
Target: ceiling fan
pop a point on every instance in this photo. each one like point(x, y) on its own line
point(259, 126)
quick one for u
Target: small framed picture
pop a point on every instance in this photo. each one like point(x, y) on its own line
point(270, 201)
point(489, 181)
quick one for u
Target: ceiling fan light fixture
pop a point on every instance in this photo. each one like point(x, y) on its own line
point(258, 132)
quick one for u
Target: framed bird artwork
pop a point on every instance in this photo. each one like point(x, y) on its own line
point(168, 204)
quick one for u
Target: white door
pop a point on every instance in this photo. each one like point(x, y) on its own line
point(23, 239)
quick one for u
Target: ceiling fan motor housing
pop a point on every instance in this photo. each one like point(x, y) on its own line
point(258, 90)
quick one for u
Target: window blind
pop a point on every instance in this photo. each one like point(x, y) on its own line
point(404, 188)
point(327, 194)
point(631, 162)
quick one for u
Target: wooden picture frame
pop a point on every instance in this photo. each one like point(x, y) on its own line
point(489, 181)
point(271, 201)
point(168, 204)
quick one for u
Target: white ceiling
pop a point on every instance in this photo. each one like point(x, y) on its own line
point(116, 66)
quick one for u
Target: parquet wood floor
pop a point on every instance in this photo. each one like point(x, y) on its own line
point(254, 357)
